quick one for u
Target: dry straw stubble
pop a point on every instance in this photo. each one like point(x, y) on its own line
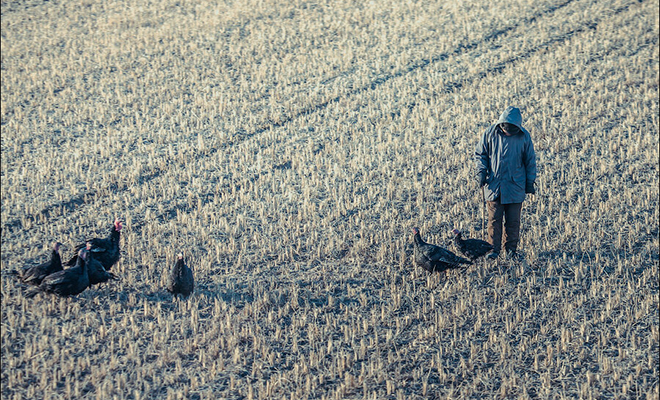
point(288, 148)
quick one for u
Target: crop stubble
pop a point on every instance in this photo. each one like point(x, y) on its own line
point(291, 168)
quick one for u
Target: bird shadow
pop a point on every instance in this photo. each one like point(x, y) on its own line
point(206, 291)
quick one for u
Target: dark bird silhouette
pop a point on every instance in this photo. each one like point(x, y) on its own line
point(34, 274)
point(435, 258)
point(181, 279)
point(68, 282)
point(95, 271)
point(471, 248)
point(105, 250)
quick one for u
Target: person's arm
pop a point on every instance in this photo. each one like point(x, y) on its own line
point(482, 159)
point(530, 167)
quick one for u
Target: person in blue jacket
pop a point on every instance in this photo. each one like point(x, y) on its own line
point(506, 168)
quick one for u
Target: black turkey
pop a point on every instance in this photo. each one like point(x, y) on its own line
point(68, 282)
point(95, 271)
point(181, 279)
point(471, 248)
point(34, 274)
point(435, 258)
point(104, 250)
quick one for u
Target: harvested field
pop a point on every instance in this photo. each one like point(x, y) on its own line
point(287, 149)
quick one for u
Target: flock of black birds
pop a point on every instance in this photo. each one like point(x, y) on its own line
point(95, 257)
point(91, 265)
point(434, 258)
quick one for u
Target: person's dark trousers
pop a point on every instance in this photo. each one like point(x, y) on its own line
point(510, 213)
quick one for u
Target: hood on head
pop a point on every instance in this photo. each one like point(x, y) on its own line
point(511, 115)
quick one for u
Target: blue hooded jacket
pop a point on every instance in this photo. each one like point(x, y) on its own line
point(507, 162)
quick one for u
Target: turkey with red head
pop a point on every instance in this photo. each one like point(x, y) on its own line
point(105, 250)
point(434, 258)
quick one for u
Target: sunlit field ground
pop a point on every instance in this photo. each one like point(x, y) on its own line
point(287, 149)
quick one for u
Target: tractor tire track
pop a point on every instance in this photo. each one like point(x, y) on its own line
point(454, 86)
